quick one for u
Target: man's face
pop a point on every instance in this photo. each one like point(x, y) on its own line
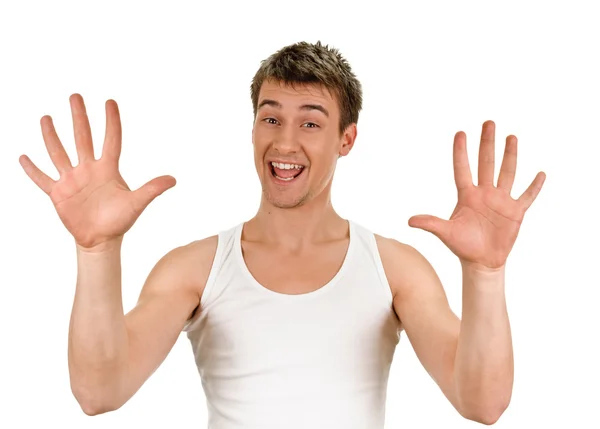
point(298, 128)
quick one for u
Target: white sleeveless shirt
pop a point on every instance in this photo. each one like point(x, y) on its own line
point(318, 360)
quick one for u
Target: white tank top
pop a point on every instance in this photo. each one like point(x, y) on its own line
point(318, 360)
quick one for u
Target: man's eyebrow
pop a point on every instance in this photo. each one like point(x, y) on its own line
point(315, 107)
point(277, 105)
point(268, 102)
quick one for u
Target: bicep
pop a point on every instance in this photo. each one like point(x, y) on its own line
point(169, 296)
point(422, 306)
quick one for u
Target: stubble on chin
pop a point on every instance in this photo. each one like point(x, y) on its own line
point(284, 204)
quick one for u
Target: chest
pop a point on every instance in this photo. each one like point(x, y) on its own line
point(294, 272)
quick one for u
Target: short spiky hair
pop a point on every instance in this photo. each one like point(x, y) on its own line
point(303, 63)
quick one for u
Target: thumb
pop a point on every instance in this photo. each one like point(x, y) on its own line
point(145, 194)
point(432, 224)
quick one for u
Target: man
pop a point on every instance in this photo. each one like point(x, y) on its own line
point(293, 315)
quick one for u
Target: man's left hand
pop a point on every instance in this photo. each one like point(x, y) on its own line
point(486, 220)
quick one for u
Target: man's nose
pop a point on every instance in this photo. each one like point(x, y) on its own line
point(286, 141)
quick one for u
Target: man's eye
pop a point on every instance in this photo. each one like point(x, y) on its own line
point(313, 125)
point(270, 119)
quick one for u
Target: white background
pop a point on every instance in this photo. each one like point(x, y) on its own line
point(181, 75)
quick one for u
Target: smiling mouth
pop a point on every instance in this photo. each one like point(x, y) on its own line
point(285, 174)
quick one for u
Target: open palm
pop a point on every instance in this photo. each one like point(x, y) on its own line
point(486, 220)
point(92, 199)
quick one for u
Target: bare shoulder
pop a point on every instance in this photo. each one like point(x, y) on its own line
point(197, 258)
point(198, 254)
point(185, 269)
point(194, 261)
point(405, 267)
point(392, 247)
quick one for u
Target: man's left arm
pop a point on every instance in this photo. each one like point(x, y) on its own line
point(469, 359)
point(483, 367)
point(472, 359)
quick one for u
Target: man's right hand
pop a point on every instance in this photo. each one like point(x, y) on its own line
point(92, 199)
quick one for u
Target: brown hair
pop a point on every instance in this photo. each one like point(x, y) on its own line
point(303, 63)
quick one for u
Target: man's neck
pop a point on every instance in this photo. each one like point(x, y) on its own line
point(297, 227)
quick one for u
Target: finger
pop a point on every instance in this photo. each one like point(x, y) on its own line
point(432, 224)
point(462, 171)
point(38, 177)
point(152, 189)
point(112, 138)
point(531, 193)
point(486, 154)
point(81, 128)
point(55, 149)
point(506, 178)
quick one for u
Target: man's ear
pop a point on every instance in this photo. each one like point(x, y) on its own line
point(348, 139)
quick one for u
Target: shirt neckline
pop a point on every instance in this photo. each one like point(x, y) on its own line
point(286, 296)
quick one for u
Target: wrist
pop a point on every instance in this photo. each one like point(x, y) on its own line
point(480, 269)
point(110, 245)
point(481, 278)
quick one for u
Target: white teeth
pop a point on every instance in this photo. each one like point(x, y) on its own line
point(286, 166)
point(285, 179)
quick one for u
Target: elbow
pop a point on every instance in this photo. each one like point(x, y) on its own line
point(93, 408)
point(485, 419)
point(93, 403)
point(484, 404)
point(487, 415)
point(98, 392)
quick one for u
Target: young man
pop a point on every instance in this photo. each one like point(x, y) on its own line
point(294, 315)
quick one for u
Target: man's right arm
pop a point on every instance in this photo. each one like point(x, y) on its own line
point(111, 354)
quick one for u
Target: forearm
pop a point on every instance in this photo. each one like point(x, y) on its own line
point(98, 340)
point(483, 368)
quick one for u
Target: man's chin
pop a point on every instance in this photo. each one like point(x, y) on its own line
point(285, 203)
